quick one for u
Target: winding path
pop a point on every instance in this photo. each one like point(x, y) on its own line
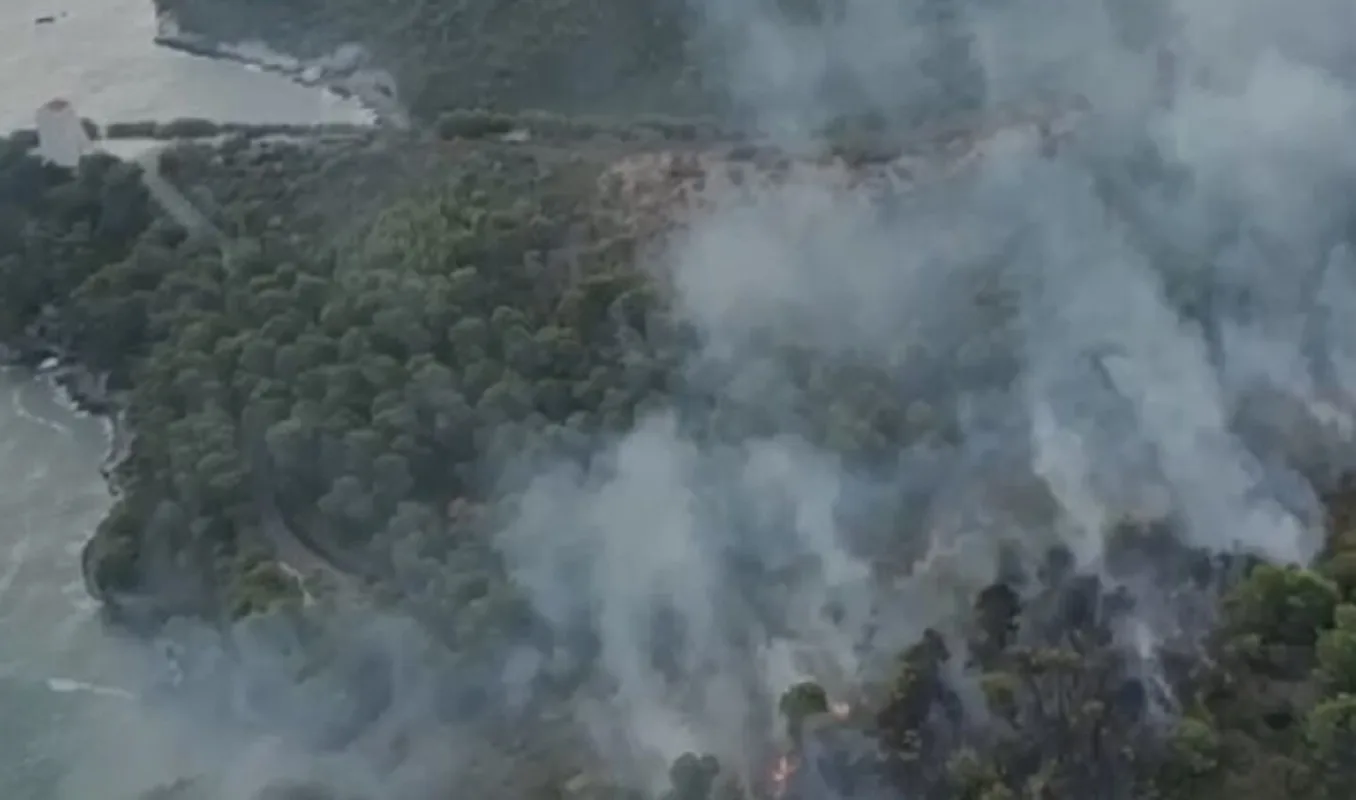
point(179, 207)
point(292, 553)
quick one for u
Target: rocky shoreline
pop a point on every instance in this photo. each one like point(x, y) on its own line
point(345, 72)
point(37, 351)
point(89, 392)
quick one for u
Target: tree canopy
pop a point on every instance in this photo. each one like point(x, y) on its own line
point(356, 392)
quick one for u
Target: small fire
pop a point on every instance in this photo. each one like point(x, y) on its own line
point(779, 777)
point(784, 766)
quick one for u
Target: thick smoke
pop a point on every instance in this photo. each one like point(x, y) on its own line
point(1174, 344)
point(1152, 323)
point(342, 704)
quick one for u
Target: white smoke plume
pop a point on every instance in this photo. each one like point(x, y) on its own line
point(1212, 171)
point(1120, 403)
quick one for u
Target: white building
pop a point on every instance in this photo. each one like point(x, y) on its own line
point(61, 135)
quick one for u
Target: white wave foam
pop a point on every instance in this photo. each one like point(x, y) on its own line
point(16, 402)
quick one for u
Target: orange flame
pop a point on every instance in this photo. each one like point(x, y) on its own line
point(784, 767)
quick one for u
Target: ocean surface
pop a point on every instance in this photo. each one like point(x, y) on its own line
point(74, 726)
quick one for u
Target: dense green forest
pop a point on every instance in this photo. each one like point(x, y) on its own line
point(614, 56)
point(365, 354)
point(596, 57)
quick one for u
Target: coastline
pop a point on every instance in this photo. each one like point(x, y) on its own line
point(44, 350)
point(343, 73)
point(40, 358)
point(39, 352)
